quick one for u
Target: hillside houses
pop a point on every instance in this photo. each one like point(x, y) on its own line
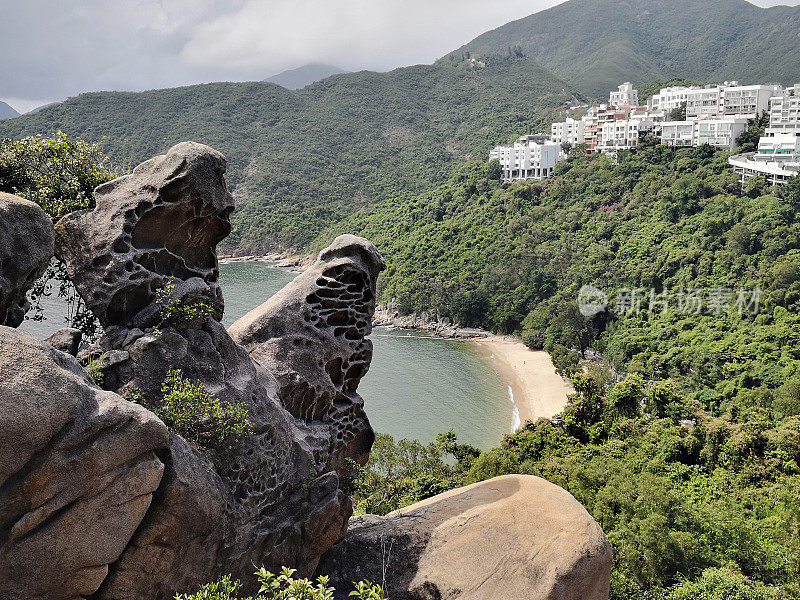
point(715, 115)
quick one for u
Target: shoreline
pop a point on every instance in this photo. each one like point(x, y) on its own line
point(536, 391)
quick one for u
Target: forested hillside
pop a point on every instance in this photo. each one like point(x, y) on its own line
point(513, 258)
point(683, 440)
point(302, 160)
point(596, 44)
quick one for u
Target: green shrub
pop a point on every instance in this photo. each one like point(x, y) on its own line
point(201, 417)
point(721, 584)
point(192, 310)
point(281, 587)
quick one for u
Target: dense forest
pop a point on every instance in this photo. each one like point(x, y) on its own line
point(301, 160)
point(683, 438)
point(597, 44)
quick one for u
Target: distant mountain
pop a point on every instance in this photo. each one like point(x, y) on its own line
point(6, 112)
point(42, 107)
point(300, 77)
point(597, 44)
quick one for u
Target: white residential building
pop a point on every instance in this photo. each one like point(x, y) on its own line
point(622, 134)
point(625, 95)
point(667, 100)
point(572, 131)
point(729, 99)
point(527, 159)
point(721, 133)
point(778, 154)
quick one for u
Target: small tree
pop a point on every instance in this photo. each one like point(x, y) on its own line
point(678, 113)
point(59, 175)
point(494, 171)
point(791, 191)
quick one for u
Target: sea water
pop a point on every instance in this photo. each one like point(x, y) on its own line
point(417, 386)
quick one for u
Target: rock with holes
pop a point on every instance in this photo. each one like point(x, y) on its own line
point(273, 498)
point(516, 537)
point(312, 336)
point(78, 468)
point(163, 220)
point(26, 247)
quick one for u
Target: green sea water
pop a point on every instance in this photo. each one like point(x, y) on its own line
point(417, 386)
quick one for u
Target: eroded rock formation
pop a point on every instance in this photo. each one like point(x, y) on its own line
point(312, 336)
point(511, 537)
point(163, 220)
point(26, 247)
point(274, 498)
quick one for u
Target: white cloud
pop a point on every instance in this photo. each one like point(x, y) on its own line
point(354, 33)
point(52, 49)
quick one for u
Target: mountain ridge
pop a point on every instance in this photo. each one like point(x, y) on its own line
point(596, 44)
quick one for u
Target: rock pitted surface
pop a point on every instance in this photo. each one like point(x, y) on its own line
point(274, 498)
point(514, 537)
point(78, 468)
point(312, 336)
point(163, 220)
point(26, 247)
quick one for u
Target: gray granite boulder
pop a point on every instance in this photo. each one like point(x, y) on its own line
point(78, 468)
point(163, 220)
point(26, 247)
point(273, 498)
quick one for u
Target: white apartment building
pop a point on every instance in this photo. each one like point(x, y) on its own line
point(527, 159)
point(778, 154)
point(729, 99)
point(622, 134)
point(572, 131)
point(721, 133)
point(625, 95)
point(668, 99)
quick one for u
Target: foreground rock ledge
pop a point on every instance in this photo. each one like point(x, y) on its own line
point(512, 537)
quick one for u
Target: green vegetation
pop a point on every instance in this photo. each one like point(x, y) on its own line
point(301, 160)
point(59, 175)
point(201, 417)
point(597, 44)
point(281, 587)
point(191, 310)
point(694, 505)
point(683, 441)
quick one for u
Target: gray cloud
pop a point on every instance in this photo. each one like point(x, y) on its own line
point(52, 49)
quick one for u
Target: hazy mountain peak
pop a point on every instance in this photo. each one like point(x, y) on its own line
point(294, 79)
point(6, 112)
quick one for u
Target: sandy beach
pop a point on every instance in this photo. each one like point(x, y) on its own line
point(538, 390)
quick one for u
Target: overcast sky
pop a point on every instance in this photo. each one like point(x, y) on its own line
point(52, 49)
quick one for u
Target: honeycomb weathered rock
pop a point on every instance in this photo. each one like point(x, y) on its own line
point(312, 336)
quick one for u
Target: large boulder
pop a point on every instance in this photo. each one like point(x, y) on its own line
point(78, 468)
point(312, 336)
point(272, 498)
point(163, 220)
point(26, 247)
point(514, 537)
